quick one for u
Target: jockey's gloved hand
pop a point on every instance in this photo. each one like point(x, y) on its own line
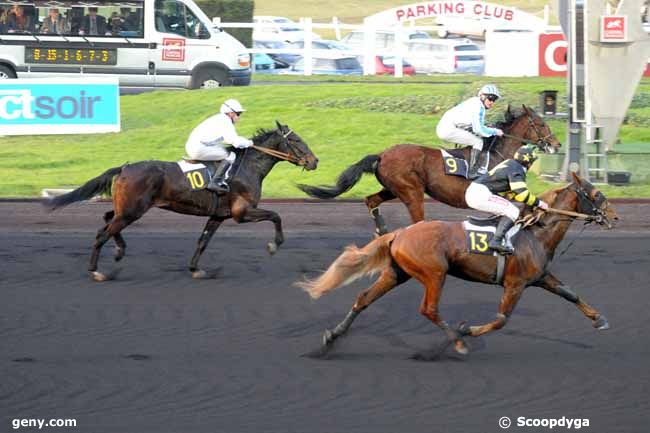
point(249, 144)
point(542, 205)
point(499, 132)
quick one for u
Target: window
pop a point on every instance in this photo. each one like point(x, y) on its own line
point(175, 17)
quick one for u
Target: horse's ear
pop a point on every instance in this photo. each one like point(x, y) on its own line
point(526, 109)
point(508, 115)
point(278, 124)
point(576, 178)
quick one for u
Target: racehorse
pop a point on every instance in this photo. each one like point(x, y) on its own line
point(407, 171)
point(138, 187)
point(429, 251)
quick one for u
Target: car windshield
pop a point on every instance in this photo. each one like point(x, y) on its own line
point(271, 44)
point(468, 52)
point(348, 63)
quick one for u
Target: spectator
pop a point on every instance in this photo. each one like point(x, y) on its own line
point(18, 21)
point(93, 24)
point(3, 20)
point(55, 24)
point(645, 16)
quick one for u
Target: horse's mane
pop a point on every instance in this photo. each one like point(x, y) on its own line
point(261, 135)
point(510, 115)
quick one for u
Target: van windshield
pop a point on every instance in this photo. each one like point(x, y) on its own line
point(73, 18)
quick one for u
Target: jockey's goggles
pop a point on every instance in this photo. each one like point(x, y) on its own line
point(491, 97)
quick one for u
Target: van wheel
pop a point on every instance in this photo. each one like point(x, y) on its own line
point(443, 33)
point(210, 79)
point(6, 72)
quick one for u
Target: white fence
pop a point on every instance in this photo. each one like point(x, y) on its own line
point(368, 50)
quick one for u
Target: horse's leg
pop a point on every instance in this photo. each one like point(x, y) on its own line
point(372, 202)
point(413, 199)
point(249, 214)
point(210, 227)
point(119, 240)
point(103, 235)
point(433, 282)
point(552, 284)
point(509, 299)
point(389, 278)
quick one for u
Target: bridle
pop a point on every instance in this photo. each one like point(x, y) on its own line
point(541, 141)
point(589, 207)
point(285, 156)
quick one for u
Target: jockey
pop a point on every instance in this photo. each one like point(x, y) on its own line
point(506, 179)
point(465, 124)
point(207, 140)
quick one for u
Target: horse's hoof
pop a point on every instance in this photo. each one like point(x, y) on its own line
point(101, 277)
point(460, 347)
point(601, 323)
point(272, 247)
point(464, 329)
point(203, 275)
point(328, 338)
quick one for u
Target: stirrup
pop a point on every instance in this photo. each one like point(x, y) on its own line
point(219, 188)
point(501, 249)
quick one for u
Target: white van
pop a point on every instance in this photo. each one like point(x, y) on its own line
point(148, 43)
point(445, 56)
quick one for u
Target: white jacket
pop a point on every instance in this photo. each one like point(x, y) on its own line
point(470, 116)
point(216, 130)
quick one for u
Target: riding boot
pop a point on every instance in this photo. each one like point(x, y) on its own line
point(474, 163)
point(497, 243)
point(219, 181)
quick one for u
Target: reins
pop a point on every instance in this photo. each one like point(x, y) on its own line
point(277, 154)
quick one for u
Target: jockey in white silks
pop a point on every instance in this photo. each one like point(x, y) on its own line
point(207, 142)
point(465, 124)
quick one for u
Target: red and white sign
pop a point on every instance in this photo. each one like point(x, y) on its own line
point(553, 56)
point(613, 28)
point(173, 50)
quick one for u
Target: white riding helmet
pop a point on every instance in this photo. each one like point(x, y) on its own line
point(231, 106)
point(489, 89)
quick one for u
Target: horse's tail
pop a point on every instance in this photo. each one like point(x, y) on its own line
point(351, 265)
point(346, 180)
point(93, 187)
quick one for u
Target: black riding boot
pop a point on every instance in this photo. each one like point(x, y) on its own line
point(219, 181)
point(473, 164)
point(497, 243)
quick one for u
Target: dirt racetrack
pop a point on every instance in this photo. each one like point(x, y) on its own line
point(155, 351)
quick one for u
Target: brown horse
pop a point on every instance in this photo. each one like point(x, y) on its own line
point(407, 171)
point(429, 251)
point(138, 187)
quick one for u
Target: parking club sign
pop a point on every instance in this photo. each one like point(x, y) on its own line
point(613, 28)
point(59, 106)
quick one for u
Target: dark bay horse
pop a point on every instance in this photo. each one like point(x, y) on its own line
point(407, 171)
point(429, 251)
point(138, 187)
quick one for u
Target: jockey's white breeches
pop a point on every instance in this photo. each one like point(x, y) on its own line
point(479, 197)
point(216, 152)
point(449, 132)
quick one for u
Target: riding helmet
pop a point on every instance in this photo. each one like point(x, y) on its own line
point(526, 155)
point(489, 89)
point(231, 106)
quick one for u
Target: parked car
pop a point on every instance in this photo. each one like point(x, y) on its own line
point(322, 44)
point(385, 65)
point(330, 64)
point(263, 63)
point(281, 60)
point(383, 39)
point(445, 56)
point(270, 28)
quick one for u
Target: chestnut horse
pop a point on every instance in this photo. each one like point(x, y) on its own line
point(407, 171)
point(138, 187)
point(429, 251)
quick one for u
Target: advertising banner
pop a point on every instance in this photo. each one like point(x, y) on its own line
point(59, 106)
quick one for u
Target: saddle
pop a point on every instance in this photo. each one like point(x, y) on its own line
point(492, 220)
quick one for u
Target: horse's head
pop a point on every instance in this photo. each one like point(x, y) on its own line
point(530, 126)
point(583, 198)
point(289, 146)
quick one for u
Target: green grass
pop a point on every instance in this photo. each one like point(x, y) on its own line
point(342, 122)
